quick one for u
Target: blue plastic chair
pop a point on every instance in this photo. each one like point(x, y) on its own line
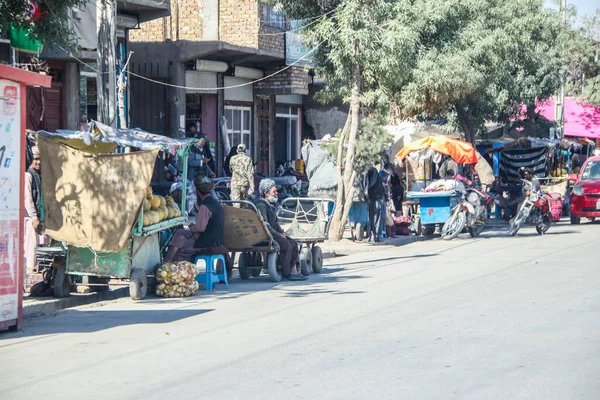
point(210, 277)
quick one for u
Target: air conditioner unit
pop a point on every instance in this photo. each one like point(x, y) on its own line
point(211, 66)
point(248, 73)
point(126, 21)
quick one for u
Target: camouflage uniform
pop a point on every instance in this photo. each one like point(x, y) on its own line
point(242, 176)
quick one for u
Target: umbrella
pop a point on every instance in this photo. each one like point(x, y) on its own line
point(460, 151)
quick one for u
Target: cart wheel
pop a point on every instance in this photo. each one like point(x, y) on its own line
point(62, 283)
point(307, 265)
point(138, 284)
point(317, 259)
point(274, 274)
point(243, 264)
point(359, 231)
point(418, 226)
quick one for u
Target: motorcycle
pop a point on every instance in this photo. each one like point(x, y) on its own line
point(469, 213)
point(534, 210)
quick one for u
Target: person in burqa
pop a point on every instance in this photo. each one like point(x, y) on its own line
point(376, 198)
point(288, 255)
point(33, 207)
point(227, 164)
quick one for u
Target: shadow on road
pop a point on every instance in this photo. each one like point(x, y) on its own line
point(331, 270)
point(78, 321)
point(525, 233)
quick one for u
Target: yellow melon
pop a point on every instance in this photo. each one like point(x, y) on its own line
point(149, 193)
point(155, 202)
point(147, 205)
point(153, 215)
point(163, 202)
point(169, 201)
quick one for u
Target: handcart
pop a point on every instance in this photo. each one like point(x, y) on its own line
point(306, 220)
point(434, 208)
point(247, 234)
point(93, 202)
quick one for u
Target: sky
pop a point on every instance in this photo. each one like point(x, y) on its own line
point(584, 7)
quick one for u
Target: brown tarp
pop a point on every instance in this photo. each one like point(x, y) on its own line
point(243, 228)
point(93, 200)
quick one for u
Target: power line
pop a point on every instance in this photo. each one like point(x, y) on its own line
point(300, 27)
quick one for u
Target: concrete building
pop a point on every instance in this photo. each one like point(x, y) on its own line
point(206, 45)
point(72, 99)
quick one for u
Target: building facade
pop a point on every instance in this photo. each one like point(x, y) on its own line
point(205, 46)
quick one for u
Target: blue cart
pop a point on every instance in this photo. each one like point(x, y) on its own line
point(359, 219)
point(433, 208)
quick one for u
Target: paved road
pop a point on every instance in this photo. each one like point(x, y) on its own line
point(493, 318)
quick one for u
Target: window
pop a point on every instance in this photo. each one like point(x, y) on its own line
point(288, 128)
point(273, 18)
point(239, 122)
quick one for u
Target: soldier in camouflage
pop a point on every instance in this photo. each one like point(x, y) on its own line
point(242, 174)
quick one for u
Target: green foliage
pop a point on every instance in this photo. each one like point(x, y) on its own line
point(583, 71)
point(373, 141)
point(53, 26)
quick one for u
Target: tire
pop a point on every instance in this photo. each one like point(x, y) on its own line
point(138, 284)
point(243, 264)
point(317, 259)
point(515, 224)
point(418, 226)
point(454, 226)
point(543, 227)
point(476, 230)
point(592, 219)
point(307, 265)
point(222, 195)
point(359, 232)
point(272, 262)
point(62, 283)
point(575, 221)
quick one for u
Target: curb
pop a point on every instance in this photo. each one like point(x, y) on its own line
point(395, 242)
point(49, 307)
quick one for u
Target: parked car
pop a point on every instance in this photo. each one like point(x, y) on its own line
point(585, 196)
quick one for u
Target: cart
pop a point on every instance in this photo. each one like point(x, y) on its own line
point(434, 208)
point(358, 216)
point(306, 220)
point(87, 161)
point(246, 233)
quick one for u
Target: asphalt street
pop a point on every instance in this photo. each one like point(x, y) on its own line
point(488, 318)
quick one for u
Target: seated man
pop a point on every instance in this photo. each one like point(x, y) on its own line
point(176, 192)
point(449, 183)
point(288, 247)
point(207, 230)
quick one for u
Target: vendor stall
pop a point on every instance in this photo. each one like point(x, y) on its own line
point(99, 205)
point(427, 209)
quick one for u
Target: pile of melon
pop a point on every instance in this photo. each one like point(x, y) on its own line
point(158, 208)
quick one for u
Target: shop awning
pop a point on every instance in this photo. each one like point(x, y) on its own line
point(462, 152)
point(581, 120)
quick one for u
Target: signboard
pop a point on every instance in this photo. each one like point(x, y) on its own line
point(295, 50)
point(10, 186)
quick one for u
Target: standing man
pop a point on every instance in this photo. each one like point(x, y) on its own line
point(288, 254)
point(376, 198)
point(33, 207)
point(242, 174)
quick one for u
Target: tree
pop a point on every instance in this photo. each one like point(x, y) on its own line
point(362, 48)
point(477, 58)
point(47, 19)
point(583, 52)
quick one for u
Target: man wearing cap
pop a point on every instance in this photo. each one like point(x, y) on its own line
point(242, 174)
point(288, 254)
point(207, 230)
point(33, 206)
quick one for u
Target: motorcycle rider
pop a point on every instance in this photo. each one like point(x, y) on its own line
point(528, 175)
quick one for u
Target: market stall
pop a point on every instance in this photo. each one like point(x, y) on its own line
point(98, 203)
point(427, 209)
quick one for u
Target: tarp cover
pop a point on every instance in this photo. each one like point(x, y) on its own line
point(460, 151)
point(98, 132)
point(243, 228)
point(93, 201)
point(320, 169)
point(511, 161)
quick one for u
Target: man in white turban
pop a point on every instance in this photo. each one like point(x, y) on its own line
point(33, 206)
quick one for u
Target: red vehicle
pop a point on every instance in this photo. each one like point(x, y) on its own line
point(585, 197)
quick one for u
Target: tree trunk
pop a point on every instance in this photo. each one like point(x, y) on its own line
point(340, 159)
point(466, 125)
point(343, 207)
point(530, 127)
